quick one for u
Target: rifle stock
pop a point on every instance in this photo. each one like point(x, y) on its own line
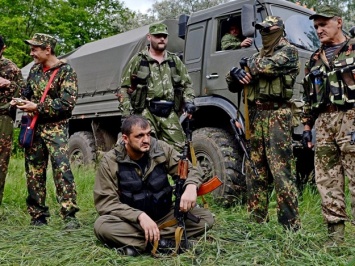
point(209, 186)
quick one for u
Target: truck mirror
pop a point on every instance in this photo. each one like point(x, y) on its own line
point(182, 25)
point(247, 20)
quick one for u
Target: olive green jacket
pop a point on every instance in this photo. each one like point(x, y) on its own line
point(106, 191)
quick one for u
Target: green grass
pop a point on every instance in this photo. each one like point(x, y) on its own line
point(232, 241)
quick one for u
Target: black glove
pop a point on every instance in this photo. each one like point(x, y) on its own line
point(237, 73)
point(189, 108)
point(243, 62)
point(306, 137)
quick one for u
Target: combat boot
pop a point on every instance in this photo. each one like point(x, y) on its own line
point(335, 234)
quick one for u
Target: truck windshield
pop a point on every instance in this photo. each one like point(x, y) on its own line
point(299, 29)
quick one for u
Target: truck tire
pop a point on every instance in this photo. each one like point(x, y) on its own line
point(217, 154)
point(82, 148)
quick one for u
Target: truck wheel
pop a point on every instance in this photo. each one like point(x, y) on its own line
point(217, 154)
point(82, 148)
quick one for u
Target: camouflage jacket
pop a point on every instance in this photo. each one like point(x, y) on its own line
point(329, 85)
point(273, 77)
point(230, 42)
point(9, 71)
point(106, 190)
point(62, 95)
point(160, 84)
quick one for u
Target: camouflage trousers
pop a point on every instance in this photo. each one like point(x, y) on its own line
point(50, 142)
point(335, 158)
point(6, 131)
point(167, 129)
point(271, 151)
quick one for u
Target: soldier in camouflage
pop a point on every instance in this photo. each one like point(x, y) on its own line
point(269, 87)
point(156, 85)
point(51, 135)
point(233, 40)
point(10, 84)
point(329, 93)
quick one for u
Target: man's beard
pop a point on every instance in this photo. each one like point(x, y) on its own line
point(159, 47)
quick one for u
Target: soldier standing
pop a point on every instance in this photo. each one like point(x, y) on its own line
point(51, 135)
point(156, 85)
point(11, 82)
point(233, 40)
point(329, 85)
point(269, 88)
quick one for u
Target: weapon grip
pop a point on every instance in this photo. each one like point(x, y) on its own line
point(192, 217)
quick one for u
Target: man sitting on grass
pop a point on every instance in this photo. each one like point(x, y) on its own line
point(133, 196)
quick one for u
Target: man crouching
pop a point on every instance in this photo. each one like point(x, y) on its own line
point(133, 195)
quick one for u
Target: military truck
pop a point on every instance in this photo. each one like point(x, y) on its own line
point(96, 121)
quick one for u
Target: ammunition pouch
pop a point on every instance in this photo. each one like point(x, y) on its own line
point(160, 108)
point(346, 79)
point(279, 87)
point(317, 84)
point(139, 93)
point(178, 93)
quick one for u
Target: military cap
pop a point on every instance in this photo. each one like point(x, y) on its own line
point(159, 28)
point(327, 11)
point(41, 39)
point(270, 21)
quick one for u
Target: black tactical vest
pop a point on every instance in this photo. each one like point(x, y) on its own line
point(153, 195)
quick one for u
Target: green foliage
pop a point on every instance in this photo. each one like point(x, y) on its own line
point(17, 150)
point(74, 23)
point(233, 240)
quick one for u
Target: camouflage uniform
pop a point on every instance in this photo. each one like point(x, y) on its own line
point(271, 131)
point(334, 116)
point(9, 71)
point(230, 42)
point(51, 136)
point(160, 86)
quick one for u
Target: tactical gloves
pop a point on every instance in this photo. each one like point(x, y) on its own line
point(237, 73)
point(189, 108)
point(306, 137)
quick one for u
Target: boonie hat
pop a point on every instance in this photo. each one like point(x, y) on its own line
point(159, 28)
point(269, 22)
point(327, 11)
point(41, 39)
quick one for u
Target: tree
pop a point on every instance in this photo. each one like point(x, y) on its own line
point(74, 23)
point(168, 9)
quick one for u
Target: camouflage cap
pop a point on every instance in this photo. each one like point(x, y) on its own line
point(270, 21)
point(159, 28)
point(327, 11)
point(41, 39)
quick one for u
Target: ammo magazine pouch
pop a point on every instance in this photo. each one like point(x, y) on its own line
point(342, 81)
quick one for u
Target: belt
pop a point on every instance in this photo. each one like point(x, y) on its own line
point(154, 103)
point(330, 108)
point(272, 105)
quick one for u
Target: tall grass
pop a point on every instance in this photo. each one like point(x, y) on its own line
point(232, 241)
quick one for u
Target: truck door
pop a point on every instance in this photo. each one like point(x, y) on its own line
point(195, 42)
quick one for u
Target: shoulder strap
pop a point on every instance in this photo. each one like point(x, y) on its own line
point(34, 120)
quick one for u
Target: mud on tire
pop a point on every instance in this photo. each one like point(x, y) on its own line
point(217, 154)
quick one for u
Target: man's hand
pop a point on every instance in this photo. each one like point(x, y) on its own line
point(240, 75)
point(27, 106)
point(307, 139)
point(189, 109)
point(151, 230)
point(188, 198)
point(4, 83)
point(247, 42)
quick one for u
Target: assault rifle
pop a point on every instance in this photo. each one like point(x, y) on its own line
point(180, 177)
point(239, 135)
